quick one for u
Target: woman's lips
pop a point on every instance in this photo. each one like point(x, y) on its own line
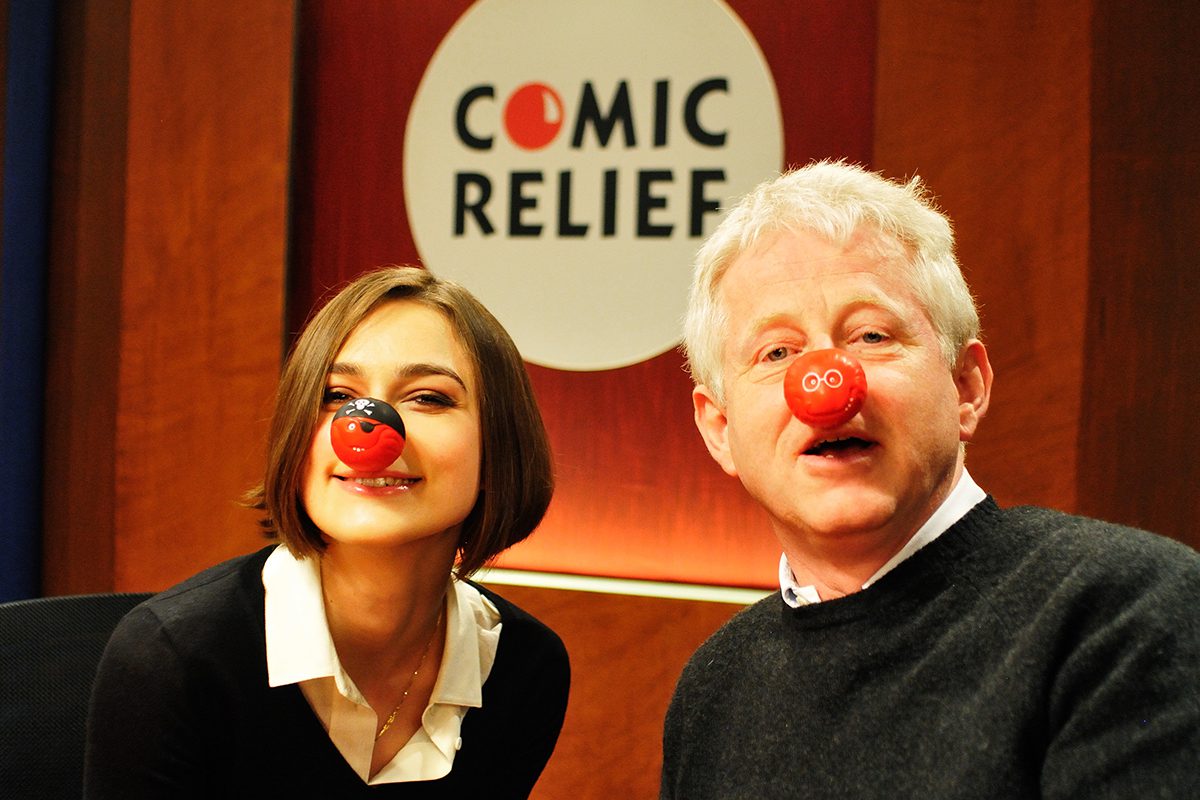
point(378, 484)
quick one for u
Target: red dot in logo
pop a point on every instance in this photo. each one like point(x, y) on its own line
point(533, 116)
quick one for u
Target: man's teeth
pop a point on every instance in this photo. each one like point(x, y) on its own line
point(379, 483)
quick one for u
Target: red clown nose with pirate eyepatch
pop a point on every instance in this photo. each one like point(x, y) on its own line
point(367, 434)
point(825, 388)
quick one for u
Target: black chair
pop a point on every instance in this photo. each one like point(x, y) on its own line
point(49, 649)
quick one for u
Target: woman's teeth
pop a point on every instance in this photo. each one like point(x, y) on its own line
point(379, 483)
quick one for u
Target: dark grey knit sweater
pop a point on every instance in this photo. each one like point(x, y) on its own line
point(1024, 653)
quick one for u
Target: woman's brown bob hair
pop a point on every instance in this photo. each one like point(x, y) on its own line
point(516, 472)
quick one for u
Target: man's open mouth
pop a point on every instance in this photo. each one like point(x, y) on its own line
point(831, 448)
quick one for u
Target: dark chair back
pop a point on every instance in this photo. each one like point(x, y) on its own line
point(49, 649)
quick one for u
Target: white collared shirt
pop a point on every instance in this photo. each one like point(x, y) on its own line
point(300, 650)
point(965, 495)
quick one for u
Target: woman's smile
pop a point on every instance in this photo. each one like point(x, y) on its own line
point(365, 485)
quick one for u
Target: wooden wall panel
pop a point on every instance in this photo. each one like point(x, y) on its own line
point(202, 295)
point(1139, 421)
point(626, 654)
point(190, 307)
point(1061, 139)
point(638, 495)
point(87, 238)
point(348, 206)
point(988, 102)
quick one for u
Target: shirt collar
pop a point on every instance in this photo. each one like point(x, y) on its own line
point(472, 637)
point(965, 495)
point(300, 647)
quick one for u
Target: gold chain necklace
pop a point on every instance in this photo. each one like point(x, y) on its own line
point(411, 678)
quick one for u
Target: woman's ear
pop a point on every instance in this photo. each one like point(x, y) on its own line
point(973, 377)
point(713, 426)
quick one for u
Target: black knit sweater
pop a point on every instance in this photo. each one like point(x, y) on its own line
point(181, 707)
point(1024, 653)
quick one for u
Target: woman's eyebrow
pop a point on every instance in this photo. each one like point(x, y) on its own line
point(345, 368)
point(425, 369)
point(404, 372)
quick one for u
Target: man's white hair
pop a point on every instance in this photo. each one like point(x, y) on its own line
point(835, 200)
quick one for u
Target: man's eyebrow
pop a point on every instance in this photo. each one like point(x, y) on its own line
point(899, 315)
point(419, 369)
point(768, 321)
point(878, 300)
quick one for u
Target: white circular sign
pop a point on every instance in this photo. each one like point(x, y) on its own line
point(564, 160)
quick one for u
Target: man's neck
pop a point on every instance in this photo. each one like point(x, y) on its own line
point(841, 566)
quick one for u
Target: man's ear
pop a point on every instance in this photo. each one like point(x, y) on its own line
point(973, 378)
point(713, 426)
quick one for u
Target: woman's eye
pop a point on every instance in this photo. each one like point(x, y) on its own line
point(874, 337)
point(433, 399)
point(334, 397)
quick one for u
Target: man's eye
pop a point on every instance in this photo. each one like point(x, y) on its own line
point(777, 354)
point(874, 337)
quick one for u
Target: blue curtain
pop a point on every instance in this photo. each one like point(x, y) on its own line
point(28, 98)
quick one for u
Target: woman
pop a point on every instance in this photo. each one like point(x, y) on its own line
point(354, 658)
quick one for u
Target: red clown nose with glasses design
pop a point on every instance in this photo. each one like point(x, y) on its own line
point(825, 388)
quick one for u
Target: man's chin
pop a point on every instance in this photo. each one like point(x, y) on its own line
point(842, 515)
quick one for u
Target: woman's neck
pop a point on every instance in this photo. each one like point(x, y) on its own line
point(381, 601)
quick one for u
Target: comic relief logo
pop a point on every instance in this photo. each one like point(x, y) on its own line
point(564, 161)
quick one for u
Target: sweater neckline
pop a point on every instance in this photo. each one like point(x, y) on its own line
point(912, 582)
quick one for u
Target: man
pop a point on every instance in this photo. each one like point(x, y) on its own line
point(925, 643)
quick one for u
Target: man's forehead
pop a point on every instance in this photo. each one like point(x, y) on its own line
point(777, 290)
point(785, 279)
point(866, 239)
point(804, 255)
